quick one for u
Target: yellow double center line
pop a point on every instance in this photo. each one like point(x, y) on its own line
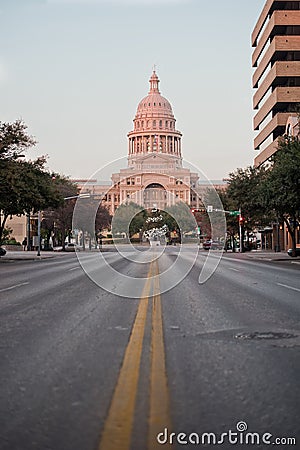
point(118, 427)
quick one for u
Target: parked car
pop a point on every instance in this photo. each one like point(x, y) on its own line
point(70, 247)
point(212, 245)
point(290, 251)
point(2, 251)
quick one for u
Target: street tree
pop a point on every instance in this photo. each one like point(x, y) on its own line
point(25, 187)
point(129, 218)
point(14, 139)
point(281, 190)
point(90, 217)
point(58, 221)
point(245, 193)
point(180, 217)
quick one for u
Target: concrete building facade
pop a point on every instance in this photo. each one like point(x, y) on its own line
point(276, 79)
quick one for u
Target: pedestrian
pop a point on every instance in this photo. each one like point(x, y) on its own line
point(24, 243)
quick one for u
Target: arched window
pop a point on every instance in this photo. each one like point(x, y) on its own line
point(154, 123)
point(167, 124)
point(160, 124)
point(142, 124)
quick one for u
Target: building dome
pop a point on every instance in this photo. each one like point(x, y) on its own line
point(154, 125)
point(154, 104)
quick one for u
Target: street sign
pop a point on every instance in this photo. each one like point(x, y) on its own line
point(209, 208)
point(234, 213)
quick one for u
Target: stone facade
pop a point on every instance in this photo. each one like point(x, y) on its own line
point(154, 176)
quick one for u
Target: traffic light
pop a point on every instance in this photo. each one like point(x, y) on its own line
point(241, 220)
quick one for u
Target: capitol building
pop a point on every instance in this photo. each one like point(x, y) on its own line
point(154, 176)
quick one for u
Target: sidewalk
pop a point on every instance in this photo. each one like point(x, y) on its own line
point(266, 255)
point(12, 255)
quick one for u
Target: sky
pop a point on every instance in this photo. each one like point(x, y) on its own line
point(75, 71)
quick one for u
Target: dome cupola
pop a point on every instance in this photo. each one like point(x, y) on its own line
point(154, 124)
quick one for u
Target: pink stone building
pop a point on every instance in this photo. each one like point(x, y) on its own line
point(154, 176)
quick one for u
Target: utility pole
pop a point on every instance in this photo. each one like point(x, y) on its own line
point(28, 231)
point(240, 231)
point(39, 234)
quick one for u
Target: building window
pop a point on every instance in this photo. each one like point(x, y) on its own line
point(160, 124)
point(154, 123)
point(154, 104)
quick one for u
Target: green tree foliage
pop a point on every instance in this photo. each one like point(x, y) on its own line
point(91, 217)
point(14, 139)
point(129, 218)
point(281, 189)
point(245, 193)
point(57, 221)
point(181, 217)
point(25, 186)
point(232, 222)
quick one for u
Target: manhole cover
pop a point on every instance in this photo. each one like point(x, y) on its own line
point(265, 335)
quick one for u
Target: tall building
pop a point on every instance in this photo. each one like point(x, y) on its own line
point(276, 59)
point(154, 176)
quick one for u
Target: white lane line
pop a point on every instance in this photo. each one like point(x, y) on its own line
point(74, 268)
point(289, 287)
point(13, 287)
point(295, 262)
point(231, 268)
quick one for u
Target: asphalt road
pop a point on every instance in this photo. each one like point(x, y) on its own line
point(85, 369)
